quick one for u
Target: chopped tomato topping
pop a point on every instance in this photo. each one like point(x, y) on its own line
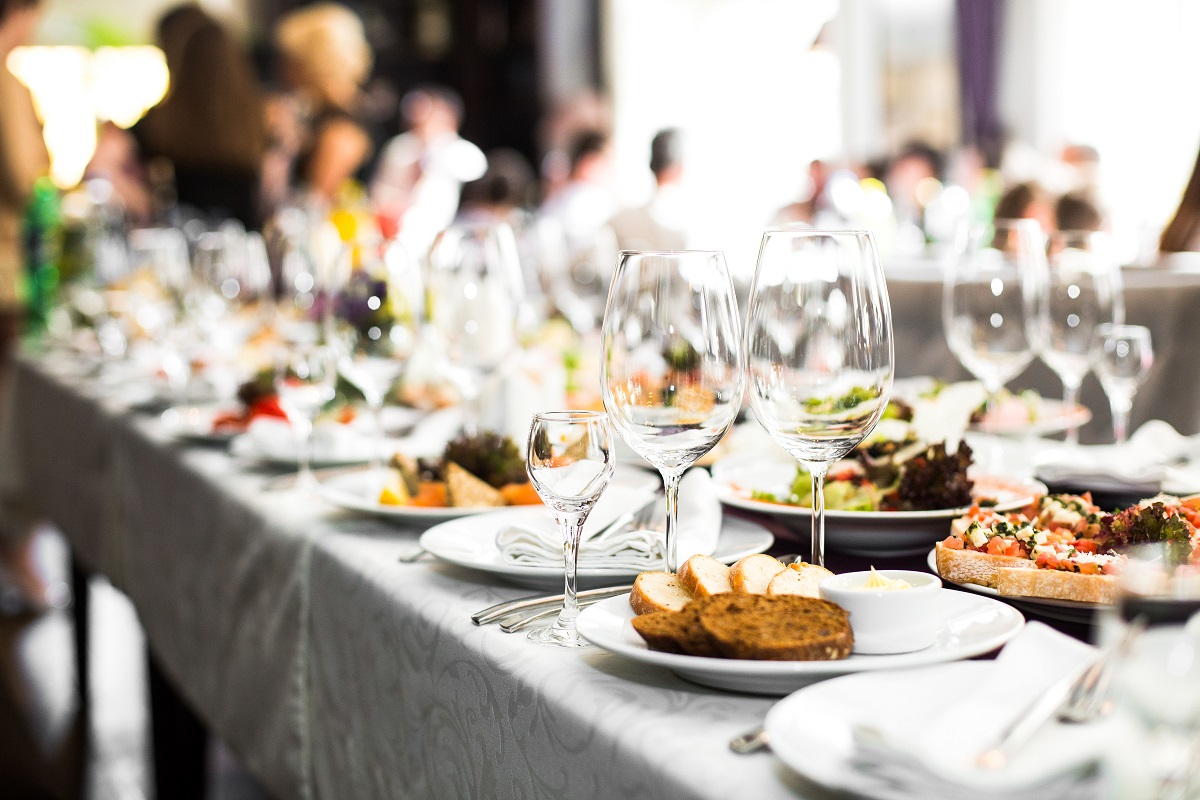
point(1086, 546)
point(997, 546)
point(952, 543)
point(1016, 549)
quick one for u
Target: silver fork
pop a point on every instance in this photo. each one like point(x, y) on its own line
point(1091, 696)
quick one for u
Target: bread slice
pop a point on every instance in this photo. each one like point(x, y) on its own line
point(802, 580)
point(671, 632)
point(464, 490)
point(657, 591)
point(753, 573)
point(1057, 585)
point(971, 566)
point(704, 576)
point(409, 471)
point(780, 628)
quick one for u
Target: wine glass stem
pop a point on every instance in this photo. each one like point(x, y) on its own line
point(572, 530)
point(305, 480)
point(1121, 406)
point(375, 404)
point(817, 471)
point(1070, 400)
point(671, 483)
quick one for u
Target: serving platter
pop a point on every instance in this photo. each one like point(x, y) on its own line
point(1045, 607)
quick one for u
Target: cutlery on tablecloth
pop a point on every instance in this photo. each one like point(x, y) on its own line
point(414, 556)
point(751, 741)
point(493, 613)
point(523, 619)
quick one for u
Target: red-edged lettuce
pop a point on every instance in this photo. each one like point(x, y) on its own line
point(1152, 524)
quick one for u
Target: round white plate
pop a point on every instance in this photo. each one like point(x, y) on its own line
point(1051, 416)
point(195, 423)
point(872, 533)
point(812, 730)
point(972, 625)
point(1046, 607)
point(471, 542)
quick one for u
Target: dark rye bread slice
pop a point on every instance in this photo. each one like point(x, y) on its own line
point(675, 631)
point(777, 628)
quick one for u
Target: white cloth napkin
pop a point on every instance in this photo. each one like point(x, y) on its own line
point(1147, 460)
point(273, 439)
point(934, 756)
point(541, 545)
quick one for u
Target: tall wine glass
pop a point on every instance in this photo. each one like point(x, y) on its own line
point(1123, 356)
point(570, 463)
point(672, 368)
point(992, 305)
point(304, 381)
point(1083, 290)
point(475, 289)
point(819, 347)
point(376, 313)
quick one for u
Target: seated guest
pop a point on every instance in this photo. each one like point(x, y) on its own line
point(1074, 212)
point(504, 193)
point(660, 223)
point(1182, 233)
point(1026, 201)
point(585, 205)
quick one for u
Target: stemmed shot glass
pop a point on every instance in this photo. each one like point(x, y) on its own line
point(1083, 291)
point(475, 291)
point(992, 300)
point(305, 380)
point(570, 463)
point(672, 367)
point(1123, 356)
point(819, 348)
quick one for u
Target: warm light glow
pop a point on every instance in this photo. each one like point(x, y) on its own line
point(72, 88)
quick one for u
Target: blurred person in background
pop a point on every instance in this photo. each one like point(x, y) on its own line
point(917, 162)
point(659, 224)
point(417, 185)
point(23, 159)
point(584, 206)
point(1075, 212)
point(504, 193)
point(811, 200)
point(1182, 233)
point(1027, 200)
point(317, 131)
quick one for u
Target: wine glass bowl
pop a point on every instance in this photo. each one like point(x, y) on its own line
point(819, 348)
point(672, 367)
point(570, 463)
point(1123, 356)
point(305, 382)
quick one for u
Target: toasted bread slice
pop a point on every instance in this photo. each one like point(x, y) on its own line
point(802, 580)
point(671, 632)
point(407, 467)
point(753, 573)
point(970, 566)
point(704, 576)
point(1057, 585)
point(657, 591)
point(464, 490)
point(780, 628)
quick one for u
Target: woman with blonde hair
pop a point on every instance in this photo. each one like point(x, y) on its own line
point(1182, 233)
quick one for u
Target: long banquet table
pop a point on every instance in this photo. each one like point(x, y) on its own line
point(330, 668)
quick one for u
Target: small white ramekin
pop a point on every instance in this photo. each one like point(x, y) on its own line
point(888, 620)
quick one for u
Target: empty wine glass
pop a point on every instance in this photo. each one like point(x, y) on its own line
point(819, 348)
point(376, 313)
point(475, 289)
point(569, 460)
point(304, 381)
point(992, 305)
point(1122, 356)
point(672, 368)
point(1083, 291)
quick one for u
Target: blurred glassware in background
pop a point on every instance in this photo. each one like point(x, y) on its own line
point(1123, 356)
point(305, 380)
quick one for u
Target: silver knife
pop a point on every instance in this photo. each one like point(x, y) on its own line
point(492, 613)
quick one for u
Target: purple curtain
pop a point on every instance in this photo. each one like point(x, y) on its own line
point(978, 27)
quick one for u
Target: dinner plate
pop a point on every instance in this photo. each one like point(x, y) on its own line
point(1048, 416)
point(471, 542)
point(195, 423)
point(871, 533)
point(812, 731)
point(971, 625)
point(1045, 607)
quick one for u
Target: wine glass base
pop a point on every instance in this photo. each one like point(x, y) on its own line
point(554, 636)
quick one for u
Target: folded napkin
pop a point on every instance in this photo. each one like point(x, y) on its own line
point(1146, 461)
point(540, 544)
point(933, 756)
point(273, 439)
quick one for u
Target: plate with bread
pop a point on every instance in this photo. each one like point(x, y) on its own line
point(1063, 555)
point(763, 627)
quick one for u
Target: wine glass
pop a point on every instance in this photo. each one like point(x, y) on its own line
point(375, 317)
point(475, 290)
point(1123, 356)
point(304, 381)
point(1083, 290)
point(819, 347)
point(672, 367)
point(569, 460)
point(992, 305)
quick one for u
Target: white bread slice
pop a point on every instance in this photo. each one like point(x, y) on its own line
point(753, 573)
point(657, 591)
point(464, 490)
point(970, 566)
point(799, 579)
point(1057, 584)
point(704, 576)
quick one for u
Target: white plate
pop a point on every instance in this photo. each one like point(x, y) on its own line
point(871, 533)
point(972, 626)
point(1046, 607)
point(195, 423)
point(812, 730)
point(1051, 416)
point(471, 542)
